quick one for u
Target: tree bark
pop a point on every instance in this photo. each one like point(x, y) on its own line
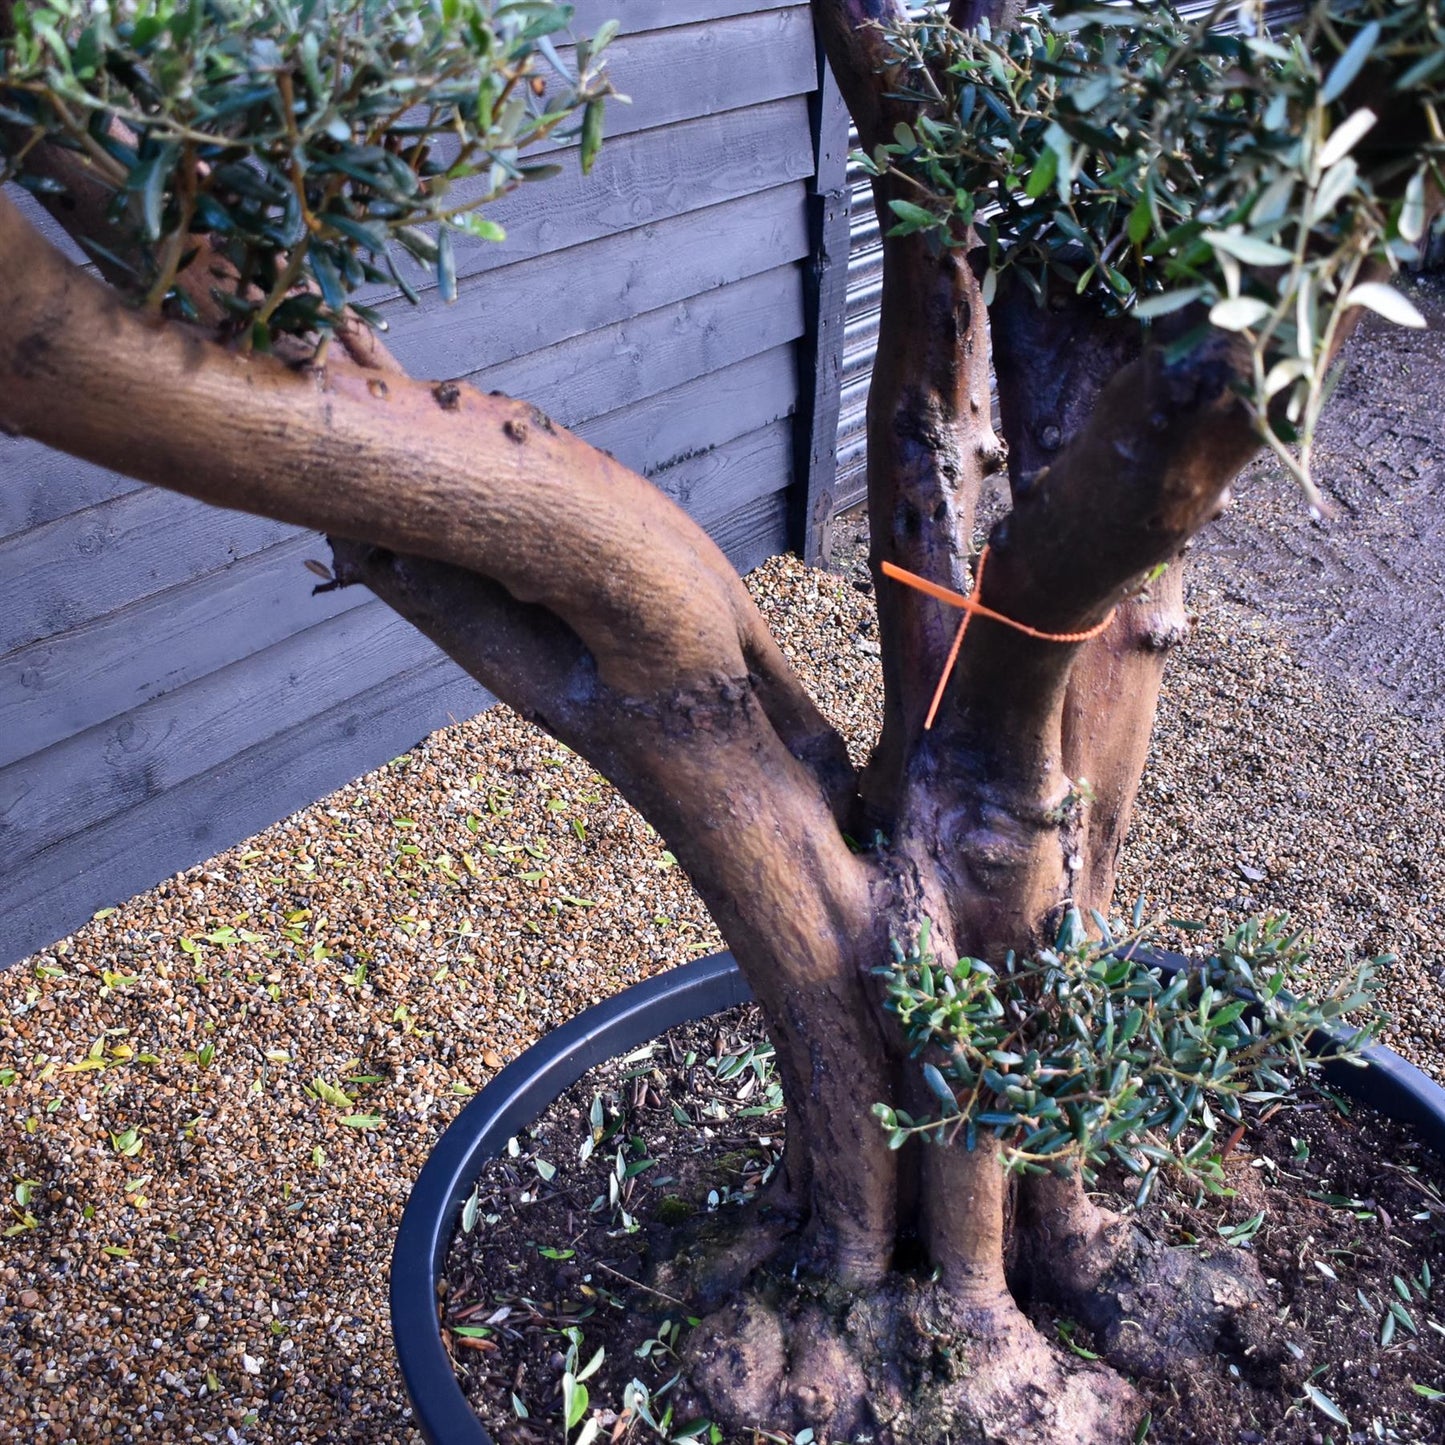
point(572, 589)
point(594, 606)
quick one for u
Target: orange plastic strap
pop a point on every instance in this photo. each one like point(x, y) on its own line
point(972, 607)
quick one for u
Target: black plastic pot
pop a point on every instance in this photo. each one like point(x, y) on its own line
point(517, 1096)
point(526, 1087)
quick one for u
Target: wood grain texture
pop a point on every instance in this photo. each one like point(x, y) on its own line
point(640, 179)
point(38, 485)
point(112, 555)
point(582, 288)
point(714, 484)
point(648, 355)
point(46, 897)
point(637, 15)
point(755, 532)
point(62, 685)
point(182, 734)
point(703, 69)
point(700, 414)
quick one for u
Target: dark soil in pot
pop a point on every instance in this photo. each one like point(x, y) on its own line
point(1344, 1212)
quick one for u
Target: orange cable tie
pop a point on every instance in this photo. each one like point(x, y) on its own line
point(972, 607)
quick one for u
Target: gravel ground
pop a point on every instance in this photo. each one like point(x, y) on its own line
point(213, 1099)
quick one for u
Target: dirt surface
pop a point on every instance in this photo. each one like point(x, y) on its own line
point(1360, 594)
point(1351, 1246)
point(561, 1228)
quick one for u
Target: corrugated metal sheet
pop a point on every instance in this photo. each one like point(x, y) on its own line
point(865, 283)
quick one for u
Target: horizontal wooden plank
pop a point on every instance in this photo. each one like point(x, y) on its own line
point(565, 293)
point(755, 532)
point(49, 896)
point(589, 15)
point(691, 70)
point(632, 360)
point(63, 685)
point(711, 485)
point(90, 563)
point(107, 770)
point(640, 179)
point(701, 414)
point(38, 485)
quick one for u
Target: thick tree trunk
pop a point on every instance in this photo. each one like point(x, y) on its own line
point(870, 1296)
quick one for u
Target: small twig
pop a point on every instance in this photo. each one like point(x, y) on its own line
point(637, 1284)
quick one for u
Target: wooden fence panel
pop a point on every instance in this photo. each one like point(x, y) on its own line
point(168, 683)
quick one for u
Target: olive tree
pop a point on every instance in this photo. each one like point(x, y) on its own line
point(1157, 233)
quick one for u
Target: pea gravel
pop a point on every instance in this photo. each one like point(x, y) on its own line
point(214, 1098)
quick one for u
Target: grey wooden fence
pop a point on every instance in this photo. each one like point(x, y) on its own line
point(168, 683)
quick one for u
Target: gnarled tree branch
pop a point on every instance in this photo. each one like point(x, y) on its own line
point(565, 583)
point(747, 821)
point(485, 483)
point(1053, 361)
point(1118, 500)
point(930, 447)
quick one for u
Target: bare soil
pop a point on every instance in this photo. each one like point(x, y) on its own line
point(1361, 593)
point(1344, 1212)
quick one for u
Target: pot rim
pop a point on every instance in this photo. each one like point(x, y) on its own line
point(531, 1082)
point(518, 1095)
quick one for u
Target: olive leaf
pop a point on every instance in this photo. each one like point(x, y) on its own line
point(1153, 164)
point(311, 143)
point(1087, 1052)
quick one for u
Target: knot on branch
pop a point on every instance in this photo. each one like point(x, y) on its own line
point(1165, 634)
point(1197, 380)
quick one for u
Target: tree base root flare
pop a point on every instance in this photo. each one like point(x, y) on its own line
point(903, 1363)
point(1150, 1305)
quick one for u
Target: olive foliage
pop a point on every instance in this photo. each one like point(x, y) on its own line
point(315, 141)
point(1159, 164)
